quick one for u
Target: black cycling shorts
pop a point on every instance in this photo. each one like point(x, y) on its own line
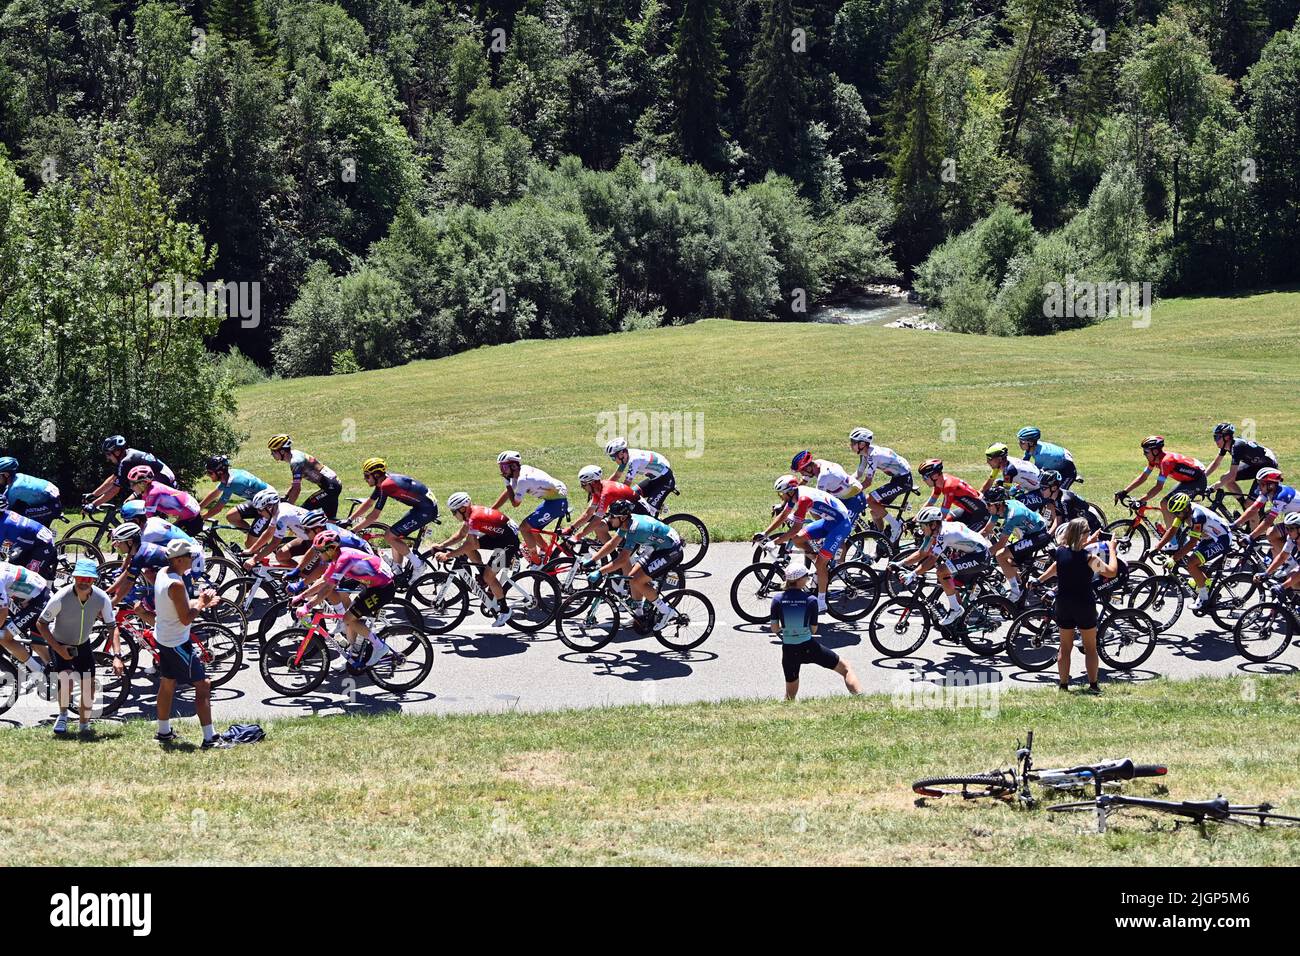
point(811, 651)
point(371, 599)
point(660, 562)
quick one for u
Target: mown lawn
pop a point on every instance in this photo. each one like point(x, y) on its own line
point(816, 782)
point(766, 390)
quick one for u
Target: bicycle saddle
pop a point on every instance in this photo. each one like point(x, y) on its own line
point(1218, 807)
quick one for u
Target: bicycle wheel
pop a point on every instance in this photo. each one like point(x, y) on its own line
point(899, 626)
point(1126, 638)
point(220, 570)
point(10, 684)
point(1033, 640)
point(284, 671)
point(1264, 631)
point(975, 786)
point(253, 595)
point(533, 599)
point(228, 614)
point(408, 663)
point(753, 589)
point(1161, 598)
point(1132, 542)
point(693, 623)
point(852, 590)
point(441, 599)
point(223, 651)
point(870, 547)
point(112, 690)
point(1231, 596)
point(1116, 592)
point(988, 621)
point(70, 550)
point(1098, 515)
point(91, 531)
point(694, 535)
point(588, 621)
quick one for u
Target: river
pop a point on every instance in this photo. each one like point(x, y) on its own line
point(868, 310)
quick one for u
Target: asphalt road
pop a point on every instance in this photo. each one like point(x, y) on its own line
point(480, 668)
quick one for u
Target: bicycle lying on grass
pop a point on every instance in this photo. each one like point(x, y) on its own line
point(1199, 812)
point(1013, 783)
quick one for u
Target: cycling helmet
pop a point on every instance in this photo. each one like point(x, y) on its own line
point(620, 509)
point(1029, 433)
point(861, 434)
point(1291, 519)
point(458, 500)
point(1153, 441)
point(314, 519)
point(932, 467)
point(1050, 477)
point(800, 459)
point(132, 509)
point(1269, 474)
point(217, 462)
point(930, 515)
point(326, 539)
point(590, 474)
point(140, 473)
point(374, 466)
point(1224, 428)
point(996, 449)
point(995, 494)
point(276, 442)
point(8, 465)
point(786, 484)
point(266, 498)
point(1179, 503)
point(112, 443)
point(509, 456)
point(615, 446)
point(125, 531)
point(4, 502)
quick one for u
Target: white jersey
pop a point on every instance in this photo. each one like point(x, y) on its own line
point(953, 536)
point(288, 521)
point(535, 482)
point(19, 583)
point(168, 629)
point(641, 462)
point(834, 480)
point(1021, 473)
point(159, 531)
point(880, 458)
point(1212, 525)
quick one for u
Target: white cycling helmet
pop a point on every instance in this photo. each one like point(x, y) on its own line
point(589, 474)
point(786, 483)
point(266, 498)
point(861, 434)
point(616, 446)
point(457, 500)
point(509, 456)
point(125, 532)
point(1292, 519)
point(929, 515)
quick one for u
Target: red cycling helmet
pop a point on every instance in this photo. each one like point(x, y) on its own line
point(1270, 474)
point(326, 539)
point(140, 473)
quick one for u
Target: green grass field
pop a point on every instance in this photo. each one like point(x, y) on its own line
point(766, 390)
point(815, 782)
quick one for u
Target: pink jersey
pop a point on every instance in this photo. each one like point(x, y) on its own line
point(355, 565)
point(169, 501)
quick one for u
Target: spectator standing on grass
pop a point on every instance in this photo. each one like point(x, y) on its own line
point(1076, 596)
point(65, 624)
point(178, 660)
point(794, 620)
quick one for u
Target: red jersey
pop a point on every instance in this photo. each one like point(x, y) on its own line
point(954, 491)
point(1180, 467)
point(490, 523)
point(611, 491)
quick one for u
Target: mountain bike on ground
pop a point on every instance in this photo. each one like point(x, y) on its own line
point(1199, 812)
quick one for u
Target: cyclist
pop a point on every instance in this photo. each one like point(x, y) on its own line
point(1047, 456)
point(658, 480)
point(1207, 537)
point(1273, 502)
point(958, 554)
point(601, 493)
point(483, 529)
point(898, 473)
point(524, 480)
point(230, 482)
point(303, 465)
point(29, 496)
point(831, 526)
point(138, 556)
point(1286, 558)
point(1062, 505)
point(158, 498)
point(632, 532)
point(1011, 517)
point(960, 501)
point(832, 479)
point(1246, 460)
point(123, 460)
point(284, 521)
point(1187, 471)
point(378, 588)
point(159, 531)
point(23, 595)
point(402, 488)
point(30, 544)
point(310, 564)
point(1021, 477)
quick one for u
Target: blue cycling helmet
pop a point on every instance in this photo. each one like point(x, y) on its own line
point(8, 465)
point(132, 509)
point(1029, 433)
point(801, 459)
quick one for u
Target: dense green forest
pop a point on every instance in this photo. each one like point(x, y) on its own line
point(396, 179)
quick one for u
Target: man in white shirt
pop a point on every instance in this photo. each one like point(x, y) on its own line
point(178, 658)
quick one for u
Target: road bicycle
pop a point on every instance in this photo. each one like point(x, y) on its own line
point(692, 531)
point(220, 649)
point(852, 590)
point(1232, 588)
point(1126, 637)
point(296, 661)
point(101, 519)
point(875, 546)
point(442, 597)
point(1133, 535)
point(594, 615)
point(1264, 631)
point(1199, 812)
point(1013, 783)
point(902, 624)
